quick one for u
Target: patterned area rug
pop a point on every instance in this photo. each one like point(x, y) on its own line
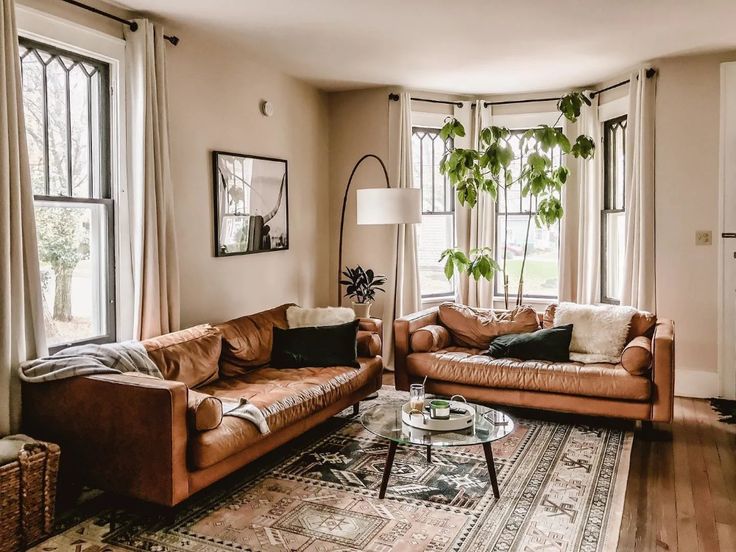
point(562, 489)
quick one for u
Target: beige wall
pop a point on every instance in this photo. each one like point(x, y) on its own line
point(687, 161)
point(359, 124)
point(214, 97)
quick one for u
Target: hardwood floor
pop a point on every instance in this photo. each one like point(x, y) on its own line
point(681, 492)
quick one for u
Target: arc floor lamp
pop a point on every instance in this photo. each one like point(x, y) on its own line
point(380, 206)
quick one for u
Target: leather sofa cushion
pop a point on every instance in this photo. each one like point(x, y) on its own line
point(468, 366)
point(642, 323)
point(368, 343)
point(246, 341)
point(637, 356)
point(204, 412)
point(477, 327)
point(190, 356)
point(430, 338)
point(286, 394)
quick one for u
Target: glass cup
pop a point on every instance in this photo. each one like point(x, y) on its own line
point(416, 397)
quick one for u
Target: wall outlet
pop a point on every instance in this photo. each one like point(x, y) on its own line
point(703, 237)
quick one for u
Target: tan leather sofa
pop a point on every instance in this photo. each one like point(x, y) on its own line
point(136, 435)
point(591, 389)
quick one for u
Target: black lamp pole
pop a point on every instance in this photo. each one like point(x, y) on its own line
point(342, 217)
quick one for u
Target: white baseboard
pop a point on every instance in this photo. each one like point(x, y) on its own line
point(696, 384)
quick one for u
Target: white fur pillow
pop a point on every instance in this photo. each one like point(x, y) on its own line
point(298, 317)
point(598, 331)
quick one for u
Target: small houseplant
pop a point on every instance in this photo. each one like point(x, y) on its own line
point(362, 286)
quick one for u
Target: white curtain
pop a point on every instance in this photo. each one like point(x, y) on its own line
point(474, 227)
point(639, 285)
point(581, 225)
point(151, 203)
point(21, 311)
point(407, 297)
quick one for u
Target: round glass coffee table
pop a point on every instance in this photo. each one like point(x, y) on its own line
point(489, 425)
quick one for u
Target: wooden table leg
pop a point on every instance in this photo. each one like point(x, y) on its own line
point(387, 468)
point(491, 468)
point(429, 454)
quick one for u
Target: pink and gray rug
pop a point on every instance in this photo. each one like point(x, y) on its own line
point(562, 489)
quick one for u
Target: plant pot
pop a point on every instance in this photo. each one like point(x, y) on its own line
point(361, 310)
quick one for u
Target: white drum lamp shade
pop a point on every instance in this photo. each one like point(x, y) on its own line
point(389, 206)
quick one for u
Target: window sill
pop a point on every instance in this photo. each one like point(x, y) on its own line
point(429, 302)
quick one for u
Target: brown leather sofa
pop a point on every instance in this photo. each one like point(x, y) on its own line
point(154, 439)
point(591, 389)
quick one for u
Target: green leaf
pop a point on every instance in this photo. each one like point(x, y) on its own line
point(583, 147)
point(449, 268)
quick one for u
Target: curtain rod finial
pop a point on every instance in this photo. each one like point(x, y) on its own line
point(393, 97)
point(173, 39)
point(133, 26)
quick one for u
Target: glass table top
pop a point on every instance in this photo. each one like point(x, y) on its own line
point(489, 425)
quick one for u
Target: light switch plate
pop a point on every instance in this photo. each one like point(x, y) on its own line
point(703, 237)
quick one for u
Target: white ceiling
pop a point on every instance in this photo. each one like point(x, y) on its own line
point(464, 46)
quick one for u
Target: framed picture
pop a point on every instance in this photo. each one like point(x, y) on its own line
point(251, 204)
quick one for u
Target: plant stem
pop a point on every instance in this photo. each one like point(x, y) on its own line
point(520, 292)
point(505, 245)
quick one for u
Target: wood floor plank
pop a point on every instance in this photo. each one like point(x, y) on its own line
point(705, 520)
point(687, 536)
point(666, 508)
point(723, 505)
point(627, 533)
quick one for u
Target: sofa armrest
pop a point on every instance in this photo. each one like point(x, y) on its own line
point(122, 433)
point(374, 325)
point(403, 328)
point(663, 371)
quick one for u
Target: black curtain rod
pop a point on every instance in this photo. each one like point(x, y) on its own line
point(131, 24)
point(395, 98)
point(650, 73)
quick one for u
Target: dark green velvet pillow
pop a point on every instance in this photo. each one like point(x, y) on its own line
point(552, 344)
point(318, 346)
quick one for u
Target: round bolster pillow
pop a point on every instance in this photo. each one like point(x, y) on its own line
point(369, 344)
point(204, 411)
point(429, 339)
point(637, 356)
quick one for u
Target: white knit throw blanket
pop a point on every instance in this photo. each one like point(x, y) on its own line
point(598, 331)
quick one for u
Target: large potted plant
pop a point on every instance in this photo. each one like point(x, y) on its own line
point(361, 287)
point(486, 168)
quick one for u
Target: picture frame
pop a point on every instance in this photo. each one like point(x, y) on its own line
point(251, 204)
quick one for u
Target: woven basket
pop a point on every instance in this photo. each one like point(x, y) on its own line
point(27, 496)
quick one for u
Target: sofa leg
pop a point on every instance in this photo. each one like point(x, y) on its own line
point(356, 408)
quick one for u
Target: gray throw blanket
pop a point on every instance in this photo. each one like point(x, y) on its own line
point(117, 358)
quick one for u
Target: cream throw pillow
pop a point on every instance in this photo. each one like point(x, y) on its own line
point(598, 331)
point(298, 317)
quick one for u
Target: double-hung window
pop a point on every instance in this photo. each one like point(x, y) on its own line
point(541, 271)
point(67, 110)
point(437, 231)
point(613, 226)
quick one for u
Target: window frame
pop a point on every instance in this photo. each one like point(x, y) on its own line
point(522, 121)
point(432, 124)
point(53, 33)
point(608, 189)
